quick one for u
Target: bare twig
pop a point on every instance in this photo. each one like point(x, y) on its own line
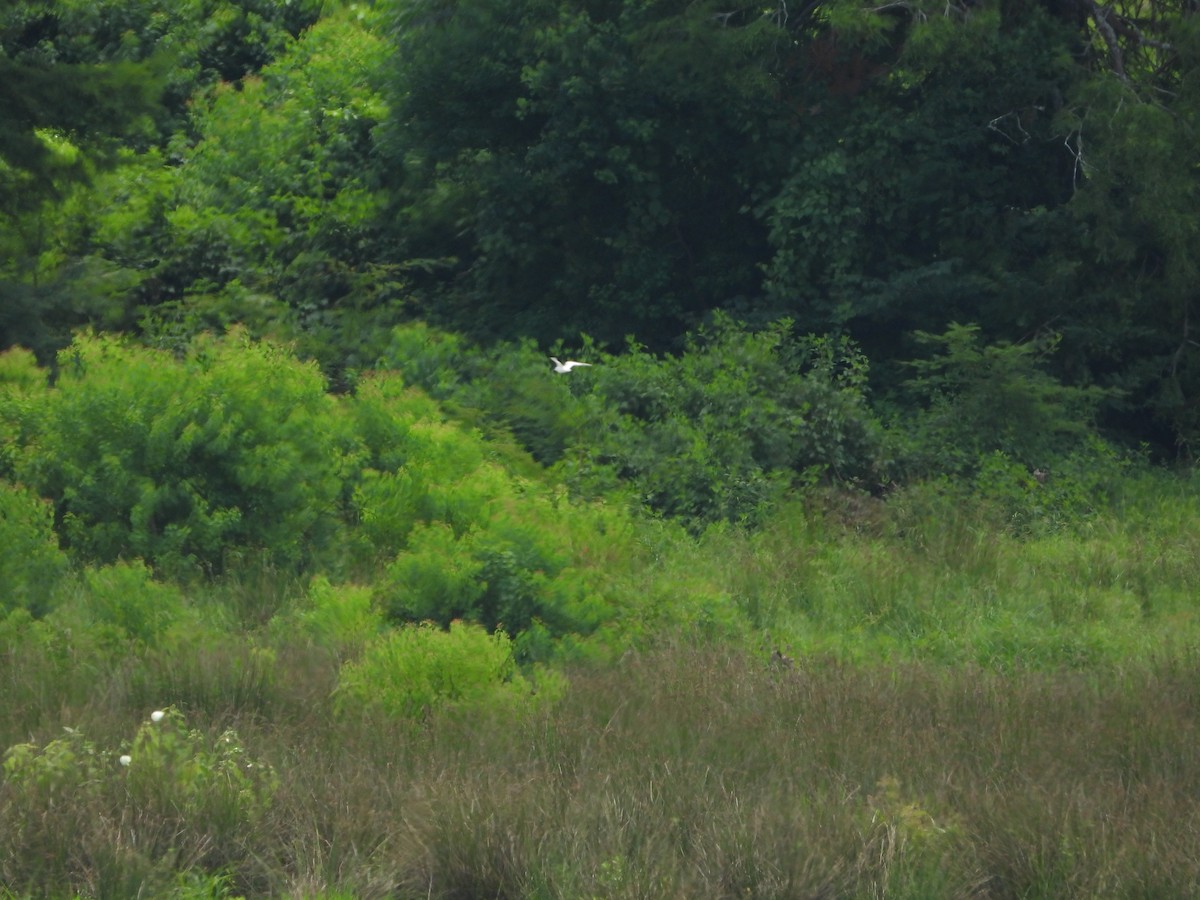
point(1077, 152)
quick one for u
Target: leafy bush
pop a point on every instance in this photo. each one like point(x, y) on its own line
point(31, 563)
point(976, 399)
point(339, 617)
point(22, 388)
point(19, 369)
point(178, 461)
point(464, 537)
point(508, 574)
point(502, 389)
point(417, 467)
point(74, 809)
point(1066, 492)
point(418, 670)
point(432, 359)
point(50, 792)
point(413, 467)
point(718, 432)
point(181, 774)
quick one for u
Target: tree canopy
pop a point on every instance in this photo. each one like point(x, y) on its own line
point(539, 169)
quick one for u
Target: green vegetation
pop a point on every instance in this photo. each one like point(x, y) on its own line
point(859, 562)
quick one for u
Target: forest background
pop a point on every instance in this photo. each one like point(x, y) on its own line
point(859, 562)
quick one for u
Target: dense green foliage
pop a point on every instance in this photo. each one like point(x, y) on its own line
point(532, 170)
point(32, 561)
point(881, 453)
point(180, 462)
point(740, 416)
point(587, 164)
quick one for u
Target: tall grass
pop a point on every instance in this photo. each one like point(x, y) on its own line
point(683, 772)
point(866, 699)
point(946, 581)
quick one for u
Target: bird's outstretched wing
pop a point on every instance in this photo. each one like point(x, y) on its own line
point(566, 366)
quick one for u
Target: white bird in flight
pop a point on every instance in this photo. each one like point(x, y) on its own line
point(567, 366)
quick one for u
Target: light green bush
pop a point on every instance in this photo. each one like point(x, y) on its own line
point(178, 461)
point(428, 358)
point(22, 390)
point(31, 563)
point(443, 479)
point(418, 670)
point(19, 370)
point(530, 565)
point(413, 466)
point(436, 578)
point(465, 537)
point(339, 617)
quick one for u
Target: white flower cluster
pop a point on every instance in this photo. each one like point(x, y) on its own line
point(156, 716)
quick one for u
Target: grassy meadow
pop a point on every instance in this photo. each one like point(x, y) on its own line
point(444, 674)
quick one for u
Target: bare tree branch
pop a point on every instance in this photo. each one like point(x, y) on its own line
point(1100, 15)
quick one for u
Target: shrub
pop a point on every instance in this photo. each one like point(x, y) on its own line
point(76, 812)
point(417, 670)
point(437, 474)
point(466, 538)
point(436, 578)
point(519, 568)
point(339, 617)
point(181, 775)
point(505, 391)
point(428, 358)
point(19, 369)
point(414, 467)
point(178, 460)
point(31, 563)
point(718, 432)
point(979, 399)
point(22, 389)
point(1064, 493)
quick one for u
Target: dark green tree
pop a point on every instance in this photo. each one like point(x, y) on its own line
point(60, 121)
point(927, 176)
point(83, 86)
point(873, 169)
point(588, 165)
point(1134, 127)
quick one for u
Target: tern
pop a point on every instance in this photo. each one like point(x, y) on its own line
point(562, 367)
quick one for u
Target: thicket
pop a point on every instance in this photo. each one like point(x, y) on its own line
point(138, 465)
point(180, 462)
